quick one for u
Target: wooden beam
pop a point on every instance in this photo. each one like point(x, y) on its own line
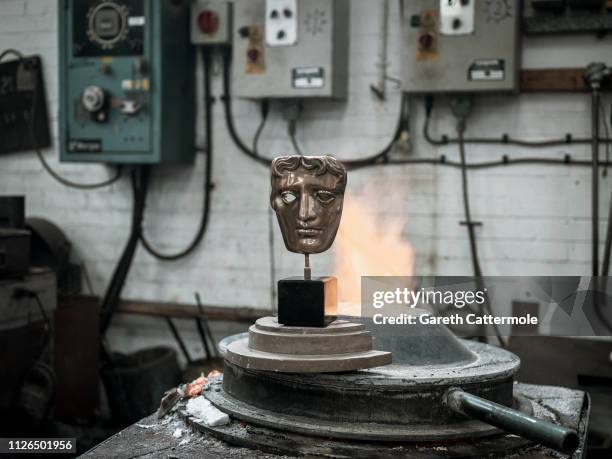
point(187, 311)
point(556, 80)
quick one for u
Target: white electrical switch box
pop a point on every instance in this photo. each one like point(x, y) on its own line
point(281, 22)
point(290, 49)
point(457, 17)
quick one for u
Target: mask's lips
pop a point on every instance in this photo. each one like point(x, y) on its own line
point(308, 232)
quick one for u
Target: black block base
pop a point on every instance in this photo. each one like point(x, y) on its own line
point(307, 303)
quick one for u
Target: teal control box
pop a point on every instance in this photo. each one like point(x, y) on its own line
point(126, 76)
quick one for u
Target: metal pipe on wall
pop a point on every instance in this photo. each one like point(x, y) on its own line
point(595, 96)
point(594, 73)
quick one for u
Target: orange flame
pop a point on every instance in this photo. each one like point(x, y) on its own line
point(367, 246)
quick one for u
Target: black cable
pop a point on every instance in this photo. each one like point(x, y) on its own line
point(140, 184)
point(41, 158)
point(607, 132)
point(208, 185)
point(12, 51)
point(80, 186)
point(23, 292)
point(599, 301)
point(381, 158)
point(351, 163)
point(595, 104)
point(265, 111)
point(292, 113)
point(48, 333)
point(292, 132)
point(504, 139)
point(41, 308)
point(505, 161)
point(469, 223)
point(605, 269)
point(463, 107)
point(229, 118)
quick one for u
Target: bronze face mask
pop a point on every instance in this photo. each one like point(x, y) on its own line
point(307, 196)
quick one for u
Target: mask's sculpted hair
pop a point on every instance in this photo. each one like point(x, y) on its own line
point(318, 165)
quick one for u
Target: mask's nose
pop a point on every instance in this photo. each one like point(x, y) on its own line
point(307, 208)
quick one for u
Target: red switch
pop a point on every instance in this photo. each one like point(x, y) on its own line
point(426, 41)
point(253, 55)
point(208, 22)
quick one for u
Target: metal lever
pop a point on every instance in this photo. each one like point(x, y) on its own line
point(130, 107)
point(512, 421)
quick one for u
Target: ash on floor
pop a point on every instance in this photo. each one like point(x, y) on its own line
point(168, 438)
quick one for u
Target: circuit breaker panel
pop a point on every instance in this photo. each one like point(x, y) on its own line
point(126, 81)
point(290, 48)
point(460, 45)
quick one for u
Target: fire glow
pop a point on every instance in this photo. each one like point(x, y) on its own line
point(367, 246)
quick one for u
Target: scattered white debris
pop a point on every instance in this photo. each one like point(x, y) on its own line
point(178, 433)
point(165, 421)
point(184, 441)
point(202, 409)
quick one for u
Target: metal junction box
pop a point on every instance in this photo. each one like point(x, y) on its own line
point(126, 81)
point(460, 45)
point(290, 48)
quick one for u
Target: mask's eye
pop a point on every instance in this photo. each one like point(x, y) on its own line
point(288, 197)
point(325, 197)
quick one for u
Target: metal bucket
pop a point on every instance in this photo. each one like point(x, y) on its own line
point(136, 382)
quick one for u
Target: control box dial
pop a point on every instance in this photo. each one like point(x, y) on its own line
point(107, 24)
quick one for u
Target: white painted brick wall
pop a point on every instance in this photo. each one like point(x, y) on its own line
point(536, 218)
